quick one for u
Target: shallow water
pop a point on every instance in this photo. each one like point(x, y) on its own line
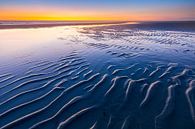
point(131, 76)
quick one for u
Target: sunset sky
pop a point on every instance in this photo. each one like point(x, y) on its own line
point(118, 10)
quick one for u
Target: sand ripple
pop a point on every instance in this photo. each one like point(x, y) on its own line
point(105, 86)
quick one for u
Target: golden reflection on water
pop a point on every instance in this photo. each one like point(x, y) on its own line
point(20, 42)
point(13, 41)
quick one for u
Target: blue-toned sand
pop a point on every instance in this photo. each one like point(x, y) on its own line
point(122, 76)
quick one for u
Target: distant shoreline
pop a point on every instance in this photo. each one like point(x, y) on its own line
point(45, 24)
point(41, 24)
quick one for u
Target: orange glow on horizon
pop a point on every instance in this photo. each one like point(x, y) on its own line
point(61, 14)
point(55, 14)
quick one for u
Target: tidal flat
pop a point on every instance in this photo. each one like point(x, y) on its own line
point(109, 76)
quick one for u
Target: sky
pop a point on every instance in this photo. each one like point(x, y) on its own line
point(95, 10)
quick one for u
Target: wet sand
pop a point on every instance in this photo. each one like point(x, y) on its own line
point(132, 76)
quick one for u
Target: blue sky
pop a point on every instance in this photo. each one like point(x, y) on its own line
point(110, 3)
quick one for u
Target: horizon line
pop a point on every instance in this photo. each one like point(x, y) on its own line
point(1, 20)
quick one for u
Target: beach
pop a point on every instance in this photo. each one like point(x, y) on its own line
point(121, 75)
